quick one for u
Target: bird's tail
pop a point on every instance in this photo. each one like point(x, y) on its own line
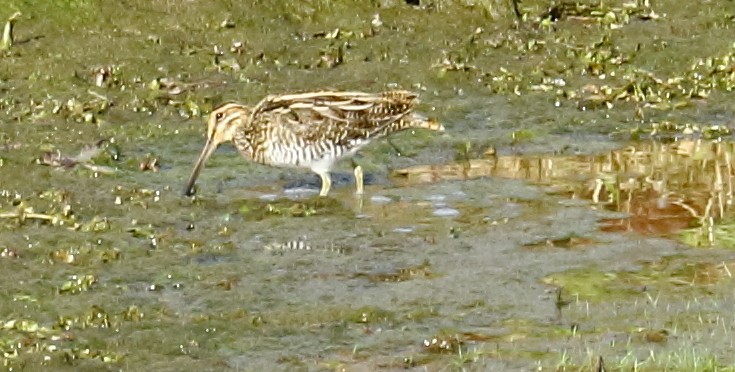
point(420, 121)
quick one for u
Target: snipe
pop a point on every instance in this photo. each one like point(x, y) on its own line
point(310, 130)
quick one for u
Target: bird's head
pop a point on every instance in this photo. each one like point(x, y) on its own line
point(222, 125)
point(224, 121)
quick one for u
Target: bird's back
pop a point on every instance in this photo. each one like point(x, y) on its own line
point(300, 128)
point(341, 115)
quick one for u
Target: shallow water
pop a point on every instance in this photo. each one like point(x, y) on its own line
point(543, 230)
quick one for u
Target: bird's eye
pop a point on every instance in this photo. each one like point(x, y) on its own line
point(219, 116)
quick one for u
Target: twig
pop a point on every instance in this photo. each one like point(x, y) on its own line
point(24, 215)
point(516, 10)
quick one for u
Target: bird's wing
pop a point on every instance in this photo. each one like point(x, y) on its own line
point(335, 116)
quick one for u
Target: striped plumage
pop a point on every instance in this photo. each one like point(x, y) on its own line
point(310, 130)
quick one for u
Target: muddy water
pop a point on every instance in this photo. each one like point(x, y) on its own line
point(537, 232)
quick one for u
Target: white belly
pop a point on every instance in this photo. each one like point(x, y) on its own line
point(318, 159)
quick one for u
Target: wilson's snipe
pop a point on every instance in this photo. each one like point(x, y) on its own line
point(310, 130)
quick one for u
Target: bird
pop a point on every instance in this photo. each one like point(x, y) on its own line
point(311, 130)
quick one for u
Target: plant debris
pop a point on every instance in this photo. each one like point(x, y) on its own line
point(7, 39)
point(85, 158)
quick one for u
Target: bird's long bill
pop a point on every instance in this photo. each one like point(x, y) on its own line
point(209, 148)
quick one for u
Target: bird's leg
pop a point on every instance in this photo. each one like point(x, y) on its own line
point(359, 184)
point(359, 178)
point(326, 183)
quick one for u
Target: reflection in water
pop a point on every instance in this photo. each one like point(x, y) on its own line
point(664, 187)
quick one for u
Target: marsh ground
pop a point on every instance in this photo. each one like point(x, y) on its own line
point(576, 211)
